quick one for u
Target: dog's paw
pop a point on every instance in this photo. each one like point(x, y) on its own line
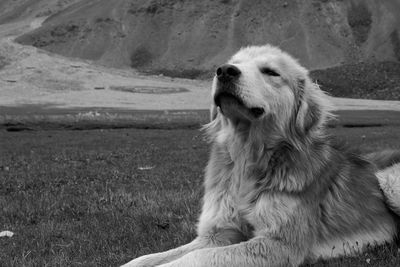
point(144, 261)
point(188, 260)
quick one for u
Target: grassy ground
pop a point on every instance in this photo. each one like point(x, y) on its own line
point(103, 197)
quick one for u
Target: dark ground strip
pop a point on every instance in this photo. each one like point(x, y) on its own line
point(34, 117)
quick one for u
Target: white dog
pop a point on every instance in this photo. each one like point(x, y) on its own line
point(279, 191)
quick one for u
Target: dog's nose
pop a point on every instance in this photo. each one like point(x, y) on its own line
point(227, 72)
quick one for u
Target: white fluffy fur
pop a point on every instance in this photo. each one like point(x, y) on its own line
point(389, 181)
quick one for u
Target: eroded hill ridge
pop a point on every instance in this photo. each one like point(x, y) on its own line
point(188, 37)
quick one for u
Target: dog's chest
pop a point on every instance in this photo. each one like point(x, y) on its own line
point(264, 211)
point(243, 185)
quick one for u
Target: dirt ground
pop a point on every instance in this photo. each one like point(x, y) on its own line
point(31, 76)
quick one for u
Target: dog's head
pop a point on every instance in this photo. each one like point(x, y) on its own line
point(262, 85)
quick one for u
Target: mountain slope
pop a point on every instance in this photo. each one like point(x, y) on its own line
point(12, 10)
point(190, 37)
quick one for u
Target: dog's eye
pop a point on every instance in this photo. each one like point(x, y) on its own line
point(269, 72)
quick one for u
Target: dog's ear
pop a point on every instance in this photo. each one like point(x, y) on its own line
point(312, 116)
point(308, 109)
point(213, 112)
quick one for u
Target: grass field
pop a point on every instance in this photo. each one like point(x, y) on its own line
point(103, 197)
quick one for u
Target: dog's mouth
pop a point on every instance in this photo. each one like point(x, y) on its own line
point(233, 106)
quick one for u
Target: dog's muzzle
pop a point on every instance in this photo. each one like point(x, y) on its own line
point(227, 93)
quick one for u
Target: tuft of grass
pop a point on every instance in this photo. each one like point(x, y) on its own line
point(103, 197)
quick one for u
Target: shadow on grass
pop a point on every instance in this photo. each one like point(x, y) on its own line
point(39, 117)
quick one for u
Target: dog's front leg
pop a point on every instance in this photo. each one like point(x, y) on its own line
point(260, 251)
point(215, 237)
point(167, 256)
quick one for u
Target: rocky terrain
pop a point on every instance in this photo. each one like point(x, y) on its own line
point(14, 10)
point(189, 38)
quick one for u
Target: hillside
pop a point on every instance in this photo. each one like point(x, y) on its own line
point(189, 38)
point(12, 10)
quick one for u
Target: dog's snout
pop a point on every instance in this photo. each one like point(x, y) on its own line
point(228, 72)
